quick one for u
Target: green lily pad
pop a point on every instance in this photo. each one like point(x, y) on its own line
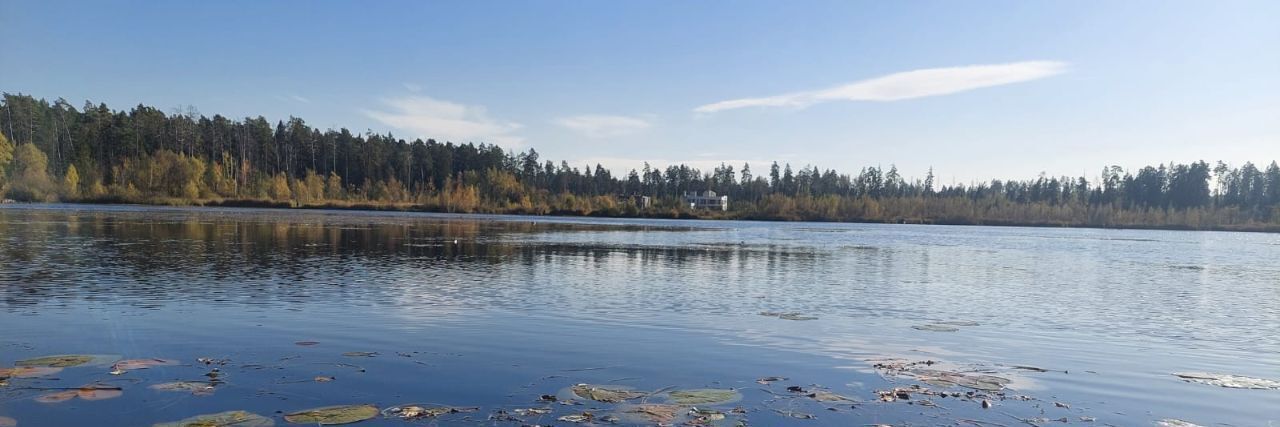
point(608, 394)
point(223, 419)
point(333, 415)
point(1228, 381)
point(198, 388)
point(57, 361)
point(704, 396)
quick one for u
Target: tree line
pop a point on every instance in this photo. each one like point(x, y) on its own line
point(54, 151)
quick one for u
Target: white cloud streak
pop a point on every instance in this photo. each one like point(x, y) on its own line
point(904, 85)
point(604, 126)
point(425, 117)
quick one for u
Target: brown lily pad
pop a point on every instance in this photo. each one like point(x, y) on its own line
point(8, 422)
point(333, 415)
point(28, 371)
point(135, 364)
point(660, 414)
point(99, 393)
point(57, 397)
point(223, 419)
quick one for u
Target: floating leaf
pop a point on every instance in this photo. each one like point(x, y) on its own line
point(135, 364)
point(651, 413)
point(324, 379)
point(8, 422)
point(96, 393)
point(826, 396)
point(197, 388)
point(704, 416)
point(423, 411)
point(605, 393)
point(704, 396)
point(28, 371)
point(61, 396)
point(934, 327)
point(223, 419)
point(1227, 380)
point(770, 380)
point(333, 415)
point(577, 418)
point(1175, 423)
point(57, 361)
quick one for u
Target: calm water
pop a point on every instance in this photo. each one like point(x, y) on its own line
point(519, 307)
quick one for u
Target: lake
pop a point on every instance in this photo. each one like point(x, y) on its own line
point(490, 318)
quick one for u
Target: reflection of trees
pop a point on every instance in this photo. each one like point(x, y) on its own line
point(156, 257)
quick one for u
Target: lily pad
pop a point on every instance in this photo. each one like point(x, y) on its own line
point(198, 388)
point(770, 380)
point(8, 422)
point(28, 371)
point(424, 411)
point(608, 394)
point(223, 419)
point(935, 327)
point(826, 396)
point(704, 396)
point(57, 361)
point(660, 414)
point(577, 418)
point(99, 393)
point(1228, 381)
point(1175, 423)
point(57, 397)
point(135, 364)
point(333, 415)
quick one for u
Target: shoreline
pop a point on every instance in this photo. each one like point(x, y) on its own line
point(678, 215)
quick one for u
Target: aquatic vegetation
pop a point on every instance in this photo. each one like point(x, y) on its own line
point(88, 392)
point(222, 419)
point(57, 361)
point(413, 411)
point(608, 394)
point(703, 396)
point(197, 388)
point(1228, 381)
point(333, 415)
point(28, 371)
point(8, 422)
point(135, 364)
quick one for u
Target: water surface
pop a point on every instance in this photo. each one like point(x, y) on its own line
point(496, 311)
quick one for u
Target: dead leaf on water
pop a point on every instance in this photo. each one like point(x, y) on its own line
point(324, 379)
point(577, 418)
point(28, 371)
point(770, 380)
point(608, 394)
point(934, 327)
point(1175, 423)
point(704, 396)
point(1228, 381)
point(135, 364)
point(223, 419)
point(333, 415)
point(660, 414)
point(57, 397)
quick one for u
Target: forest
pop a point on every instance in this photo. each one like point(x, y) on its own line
point(52, 151)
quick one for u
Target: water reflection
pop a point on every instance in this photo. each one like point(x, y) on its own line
point(682, 298)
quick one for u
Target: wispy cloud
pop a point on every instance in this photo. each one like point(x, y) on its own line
point(301, 99)
point(904, 85)
point(604, 126)
point(427, 117)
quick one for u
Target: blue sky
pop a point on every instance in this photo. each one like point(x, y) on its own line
point(974, 89)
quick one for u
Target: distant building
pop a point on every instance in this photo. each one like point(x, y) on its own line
point(641, 202)
point(706, 200)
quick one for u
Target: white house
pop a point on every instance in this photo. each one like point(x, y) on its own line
point(706, 200)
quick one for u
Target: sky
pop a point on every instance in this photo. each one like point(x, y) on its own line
point(975, 90)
